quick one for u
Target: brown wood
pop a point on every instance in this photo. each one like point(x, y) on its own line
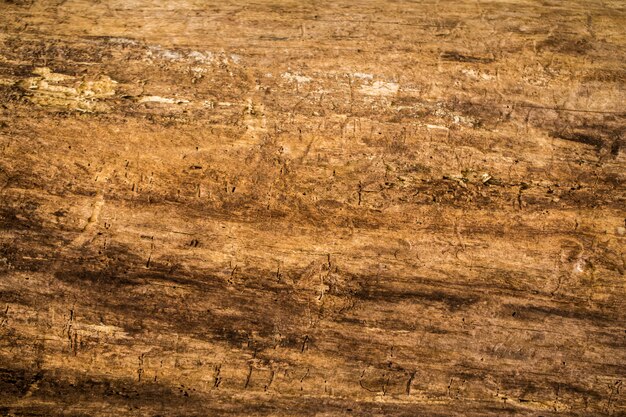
point(327, 208)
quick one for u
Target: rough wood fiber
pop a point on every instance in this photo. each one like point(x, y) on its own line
point(283, 208)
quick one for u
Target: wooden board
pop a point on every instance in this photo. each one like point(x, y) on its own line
point(330, 208)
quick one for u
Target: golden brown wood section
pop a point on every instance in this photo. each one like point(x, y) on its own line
point(330, 208)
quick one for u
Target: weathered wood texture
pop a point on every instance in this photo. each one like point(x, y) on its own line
point(331, 208)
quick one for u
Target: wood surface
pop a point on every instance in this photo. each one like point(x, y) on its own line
point(328, 208)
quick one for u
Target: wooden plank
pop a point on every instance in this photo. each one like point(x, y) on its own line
point(336, 208)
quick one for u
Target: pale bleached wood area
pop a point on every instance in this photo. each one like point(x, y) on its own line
point(325, 208)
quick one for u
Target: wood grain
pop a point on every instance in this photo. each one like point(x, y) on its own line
point(281, 208)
